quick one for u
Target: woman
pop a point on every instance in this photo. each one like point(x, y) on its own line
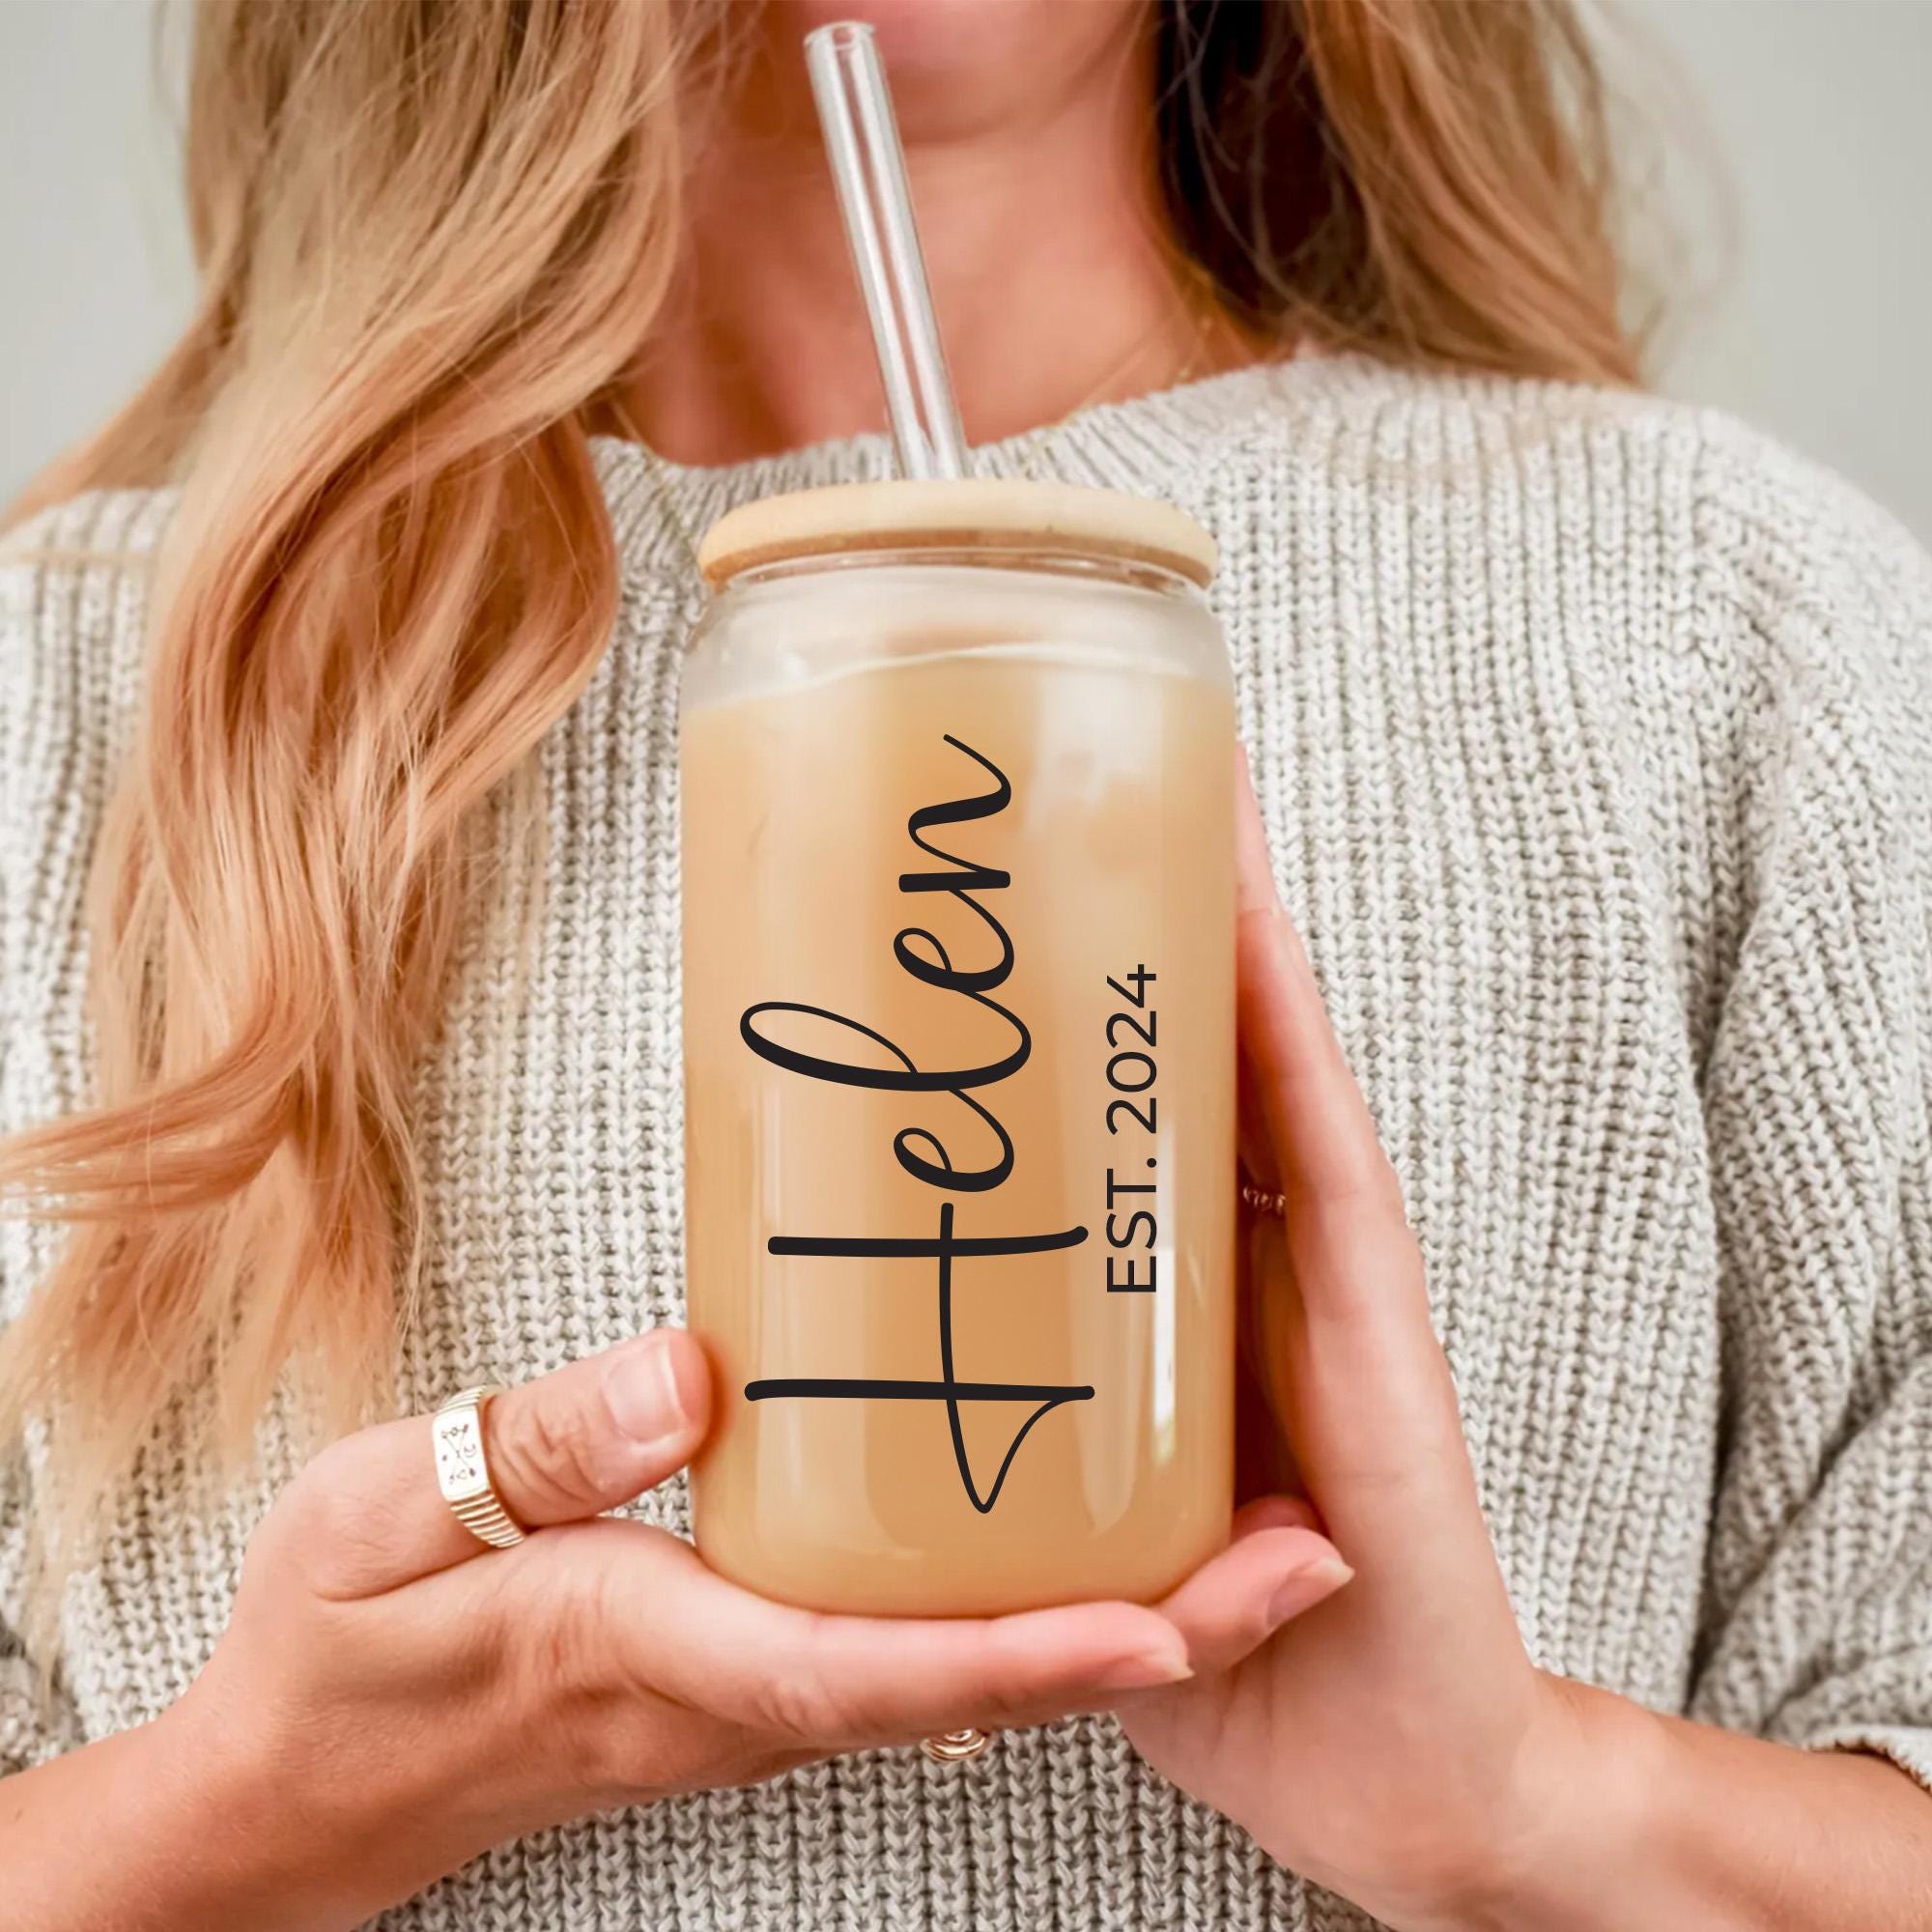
point(1590, 737)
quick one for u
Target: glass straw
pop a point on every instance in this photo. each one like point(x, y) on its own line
point(861, 143)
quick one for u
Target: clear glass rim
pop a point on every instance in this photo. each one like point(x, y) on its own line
point(1022, 558)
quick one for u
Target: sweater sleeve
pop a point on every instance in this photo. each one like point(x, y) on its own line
point(72, 600)
point(1817, 1627)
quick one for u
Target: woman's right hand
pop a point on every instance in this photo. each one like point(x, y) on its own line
point(391, 1697)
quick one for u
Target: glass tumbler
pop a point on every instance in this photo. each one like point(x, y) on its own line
point(957, 782)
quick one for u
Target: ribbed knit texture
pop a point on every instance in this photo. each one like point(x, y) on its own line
point(1594, 737)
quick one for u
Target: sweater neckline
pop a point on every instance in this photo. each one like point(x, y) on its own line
point(1141, 443)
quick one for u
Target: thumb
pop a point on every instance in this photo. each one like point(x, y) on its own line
point(600, 1431)
point(368, 1513)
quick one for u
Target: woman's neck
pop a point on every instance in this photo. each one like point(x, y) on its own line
point(1044, 239)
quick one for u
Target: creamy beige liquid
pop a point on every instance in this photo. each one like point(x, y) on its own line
point(1117, 840)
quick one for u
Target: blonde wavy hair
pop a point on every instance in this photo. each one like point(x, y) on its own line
point(432, 235)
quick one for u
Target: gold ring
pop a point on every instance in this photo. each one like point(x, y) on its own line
point(955, 1747)
point(463, 1468)
point(1263, 1203)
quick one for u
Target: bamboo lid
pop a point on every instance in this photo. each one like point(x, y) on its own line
point(997, 514)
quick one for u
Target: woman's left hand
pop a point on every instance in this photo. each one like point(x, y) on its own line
point(1395, 1744)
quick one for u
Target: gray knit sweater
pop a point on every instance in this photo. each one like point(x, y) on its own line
point(1594, 737)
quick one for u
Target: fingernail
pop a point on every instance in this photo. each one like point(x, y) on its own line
point(641, 1386)
point(1165, 1664)
point(1302, 1589)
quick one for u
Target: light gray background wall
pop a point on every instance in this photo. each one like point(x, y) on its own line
point(1813, 295)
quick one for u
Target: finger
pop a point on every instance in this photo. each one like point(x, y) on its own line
point(368, 1513)
point(839, 1682)
point(1318, 1127)
point(1279, 1511)
point(1370, 1415)
point(846, 1681)
point(1278, 1566)
point(1347, 1353)
point(1352, 1369)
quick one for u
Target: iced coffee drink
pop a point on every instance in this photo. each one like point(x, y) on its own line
point(959, 1048)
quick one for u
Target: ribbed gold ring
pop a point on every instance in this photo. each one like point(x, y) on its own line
point(955, 1747)
point(1263, 1203)
point(463, 1468)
